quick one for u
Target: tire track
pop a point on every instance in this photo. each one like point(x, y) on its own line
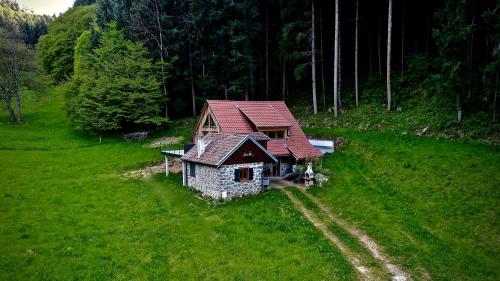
point(363, 271)
point(396, 272)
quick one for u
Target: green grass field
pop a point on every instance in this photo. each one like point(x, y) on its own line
point(66, 211)
point(433, 204)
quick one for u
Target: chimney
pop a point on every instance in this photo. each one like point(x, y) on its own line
point(201, 146)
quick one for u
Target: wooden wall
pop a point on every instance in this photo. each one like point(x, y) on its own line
point(249, 152)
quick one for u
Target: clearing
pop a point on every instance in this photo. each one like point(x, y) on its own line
point(67, 212)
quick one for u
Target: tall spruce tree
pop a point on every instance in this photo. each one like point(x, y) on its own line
point(451, 36)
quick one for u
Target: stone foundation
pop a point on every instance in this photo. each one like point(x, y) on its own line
point(212, 181)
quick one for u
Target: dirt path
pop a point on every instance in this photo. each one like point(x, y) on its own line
point(397, 274)
point(364, 272)
point(175, 166)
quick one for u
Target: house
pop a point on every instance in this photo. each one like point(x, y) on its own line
point(237, 144)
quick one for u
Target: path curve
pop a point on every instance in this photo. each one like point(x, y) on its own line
point(364, 272)
point(397, 273)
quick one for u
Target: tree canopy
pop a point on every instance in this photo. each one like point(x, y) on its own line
point(29, 25)
point(114, 85)
point(56, 48)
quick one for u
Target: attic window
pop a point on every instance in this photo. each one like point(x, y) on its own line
point(209, 122)
point(275, 134)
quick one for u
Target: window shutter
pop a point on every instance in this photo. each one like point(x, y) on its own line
point(192, 169)
point(250, 174)
point(237, 175)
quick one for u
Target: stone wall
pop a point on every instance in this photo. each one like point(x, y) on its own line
point(238, 189)
point(206, 180)
point(212, 181)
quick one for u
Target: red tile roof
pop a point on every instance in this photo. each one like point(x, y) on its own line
point(249, 116)
point(278, 147)
point(263, 115)
point(217, 148)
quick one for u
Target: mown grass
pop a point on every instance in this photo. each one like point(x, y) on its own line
point(352, 243)
point(432, 204)
point(67, 213)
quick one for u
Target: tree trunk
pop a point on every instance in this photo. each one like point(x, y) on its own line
point(427, 28)
point(163, 78)
point(17, 95)
point(415, 33)
point(323, 83)
point(267, 50)
point(284, 80)
point(225, 92)
point(379, 49)
point(402, 39)
point(340, 70)
point(251, 85)
point(459, 109)
point(495, 100)
point(389, 35)
point(471, 49)
point(18, 107)
point(8, 104)
point(370, 52)
point(336, 61)
point(193, 94)
point(287, 86)
point(313, 64)
point(16, 90)
point(356, 55)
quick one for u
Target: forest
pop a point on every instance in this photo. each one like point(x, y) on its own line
point(323, 56)
point(406, 90)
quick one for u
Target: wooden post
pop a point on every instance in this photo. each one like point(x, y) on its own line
point(184, 174)
point(166, 165)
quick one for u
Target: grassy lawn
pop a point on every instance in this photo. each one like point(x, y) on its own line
point(67, 213)
point(433, 204)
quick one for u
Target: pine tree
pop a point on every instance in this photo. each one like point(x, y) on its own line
point(451, 36)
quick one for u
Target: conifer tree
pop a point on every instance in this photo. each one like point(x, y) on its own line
point(116, 87)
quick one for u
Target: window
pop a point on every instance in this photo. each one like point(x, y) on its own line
point(192, 169)
point(243, 174)
point(275, 134)
point(209, 122)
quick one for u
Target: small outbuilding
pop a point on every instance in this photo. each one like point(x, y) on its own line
point(227, 165)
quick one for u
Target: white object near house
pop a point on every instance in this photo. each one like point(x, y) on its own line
point(309, 175)
point(174, 153)
point(325, 146)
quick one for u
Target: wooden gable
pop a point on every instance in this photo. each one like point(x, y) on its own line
point(248, 152)
point(206, 124)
